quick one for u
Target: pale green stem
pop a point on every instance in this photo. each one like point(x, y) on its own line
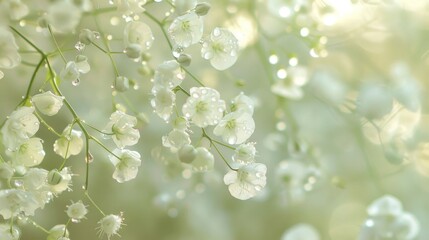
point(56, 44)
point(94, 204)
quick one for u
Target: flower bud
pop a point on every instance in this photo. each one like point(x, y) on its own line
point(133, 50)
point(54, 177)
point(145, 70)
point(184, 59)
point(82, 64)
point(180, 123)
point(122, 84)
point(187, 153)
point(86, 36)
point(202, 8)
point(48, 103)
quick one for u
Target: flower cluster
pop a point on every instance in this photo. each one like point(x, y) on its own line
point(387, 219)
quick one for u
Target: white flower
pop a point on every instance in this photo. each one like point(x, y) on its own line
point(138, 33)
point(235, 127)
point(30, 153)
point(246, 181)
point(19, 127)
point(35, 179)
point(187, 153)
point(73, 69)
point(176, 139)
point(70, 72)
point(110, 225)
point(35, 182)
point(221, 48)
point(204, 107)
point(130, 7)
point(203, 161)
point(407, 226)
point(168, 74)
point(63, 16)
point(48, 103)
point(15, 201)
point(9, 56)
point(16, 9)
point(301, 232)
point(399, 124)
point(76, 211)
point(385, 206)
point(64, 182)
point(126, 167)
point(82, 64)
point(8, 233)
point(186, 29)
point(57, 232)
point(122, 126)
point(291, 86)
point(242, 103)
point(70, 143)
point(245, 153)
point(163, 102)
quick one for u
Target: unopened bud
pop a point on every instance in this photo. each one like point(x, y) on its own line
point(122, 84)
point(86, 36)
point(184, 59)
point(133, 50)
point(202, 8)
point(187, 153)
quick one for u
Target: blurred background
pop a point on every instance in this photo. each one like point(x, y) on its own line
point(341, 118)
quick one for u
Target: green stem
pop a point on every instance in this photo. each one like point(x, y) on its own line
point(264, 62)
point(30, 85)
point(94, 204)
point(223, 158)
point(38, 226)
point(51, 129)
point(212, 142)
point(223, 144)
point(96, 129)
point(161, 26)
point(103, 146)
point(56, 44)
point(28, 41)
point(107, 51)
point(193, 77)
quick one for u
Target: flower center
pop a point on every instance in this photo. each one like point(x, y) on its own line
point(242, 175)
point(230, 124)
point(218, 47)
point(201, 107)
point(186, 26)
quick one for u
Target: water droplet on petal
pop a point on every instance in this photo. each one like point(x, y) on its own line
point(76, 82)
point(216, 32)
point(79, 46)
point(96, 34)
point(18, 183)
